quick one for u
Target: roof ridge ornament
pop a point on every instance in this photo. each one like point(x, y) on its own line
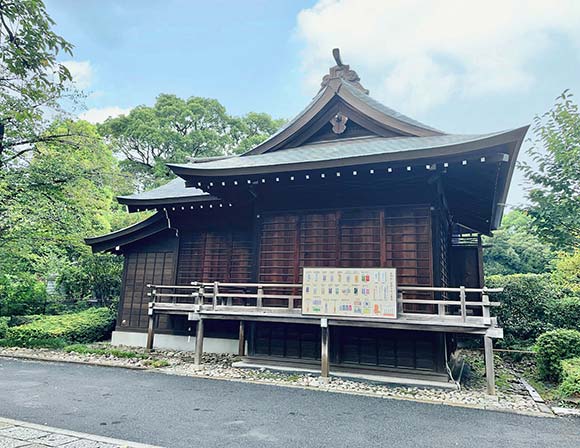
point(342, 71)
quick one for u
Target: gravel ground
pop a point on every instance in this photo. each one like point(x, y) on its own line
point(511, 396)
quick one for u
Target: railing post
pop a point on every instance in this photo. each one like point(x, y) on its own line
point(462, 297)
point(400, 302)
point(485, 308)
point(441, 308)
point(201, 293)
point(259, 298)
point(290, 303)
point(215, 295)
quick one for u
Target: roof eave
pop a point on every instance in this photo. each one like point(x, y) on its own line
point(457, 149)
point(503, 191)
point(150, 226)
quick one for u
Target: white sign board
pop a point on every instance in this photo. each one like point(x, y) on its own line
point(352, 292)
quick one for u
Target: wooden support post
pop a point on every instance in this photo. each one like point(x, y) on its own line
point(489, 367)
point(462, 297)
point(242, 339)
point(198, 343)
point(150, 329)
point(324, 344)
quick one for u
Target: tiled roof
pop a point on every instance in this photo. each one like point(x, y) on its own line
point(339, 149)
point(174, 189)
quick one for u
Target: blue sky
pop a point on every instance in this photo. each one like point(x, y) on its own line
point(463, 67)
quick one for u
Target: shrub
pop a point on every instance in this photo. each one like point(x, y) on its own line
point(525, 304)
point(553, 347)
point(565, 313)
point(96, 276)
point(3, 326)
point(22, 294)
point(570, 378)
point(86, 326)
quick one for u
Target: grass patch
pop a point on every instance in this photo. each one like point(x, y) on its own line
point(156, 363)
point(83, 349)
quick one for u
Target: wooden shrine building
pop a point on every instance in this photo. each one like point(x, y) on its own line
point(348, 183)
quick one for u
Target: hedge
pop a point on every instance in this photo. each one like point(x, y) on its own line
point(553, 347)
point(527, 303)
point(565, 313)
point(86, 326)
point(570, 386)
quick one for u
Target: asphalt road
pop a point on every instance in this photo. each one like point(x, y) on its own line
point(174, 411)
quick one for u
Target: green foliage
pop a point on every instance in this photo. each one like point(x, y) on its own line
point(526, 303)
point(86, 326)
point(94, 276)
point(566, 274)
point(565, 312)
point(555, 175)
point(83, 349)
point(156, 363)
point(176, 129)
point(553, 347)
point(570, 386)
point(21, 294)
point(514, 249)
point(3, 326)
point(31, 79)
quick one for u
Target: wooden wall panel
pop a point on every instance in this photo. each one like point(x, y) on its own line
point(143, 268)
point(279, 249)
point(207, 256)
point(360, 238)
point(398, 237)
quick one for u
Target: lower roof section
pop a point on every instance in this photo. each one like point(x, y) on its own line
point(172, 193)
point(115, 240)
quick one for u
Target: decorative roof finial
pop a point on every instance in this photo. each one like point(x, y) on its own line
point(342, 71)
point(336, 55)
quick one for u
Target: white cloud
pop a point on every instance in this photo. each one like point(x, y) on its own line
point(81, 72)
point(420, 53)
point(98, 115)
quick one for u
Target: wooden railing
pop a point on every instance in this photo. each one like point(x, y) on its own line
point(286, 298)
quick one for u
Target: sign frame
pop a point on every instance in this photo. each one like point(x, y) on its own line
point(363, 293)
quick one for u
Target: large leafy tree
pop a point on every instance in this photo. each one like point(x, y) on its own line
point(176, 129)
point(515, 249)
point(554, 175)
point(65, 193)
point(31, 79)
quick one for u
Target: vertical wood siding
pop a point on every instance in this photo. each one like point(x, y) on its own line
point(215, 256)
point(397, 237)
point(143, 268)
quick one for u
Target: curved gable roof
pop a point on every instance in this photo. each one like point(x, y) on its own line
point(340, 89)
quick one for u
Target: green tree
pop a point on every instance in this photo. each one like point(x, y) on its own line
point(515, 249)
point(31, 80)
point(554, 175)
point(175, 130)
point(65, 193)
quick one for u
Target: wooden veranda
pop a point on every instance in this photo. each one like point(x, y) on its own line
point(281, 303)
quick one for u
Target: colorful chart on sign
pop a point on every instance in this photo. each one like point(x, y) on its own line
point(350, 292)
